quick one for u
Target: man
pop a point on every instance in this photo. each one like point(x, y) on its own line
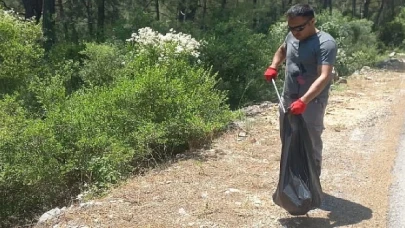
point(310, 55)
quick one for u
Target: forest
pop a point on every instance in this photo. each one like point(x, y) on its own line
point(94, 91)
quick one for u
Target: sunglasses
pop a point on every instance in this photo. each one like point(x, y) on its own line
point(299, 28)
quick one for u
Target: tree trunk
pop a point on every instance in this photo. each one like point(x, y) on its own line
point(181, 11)
point(330, 7)
point(100, 20)
point(353, 8)
point(48, 25)
point(380, 10)
point(254, 14)
point(157, 10)
point(90, 20)
point(223, 8)
point(283, 5)
point(187, 11)
point(366, 9)
point(204, 14)
point(33, 8)
point(63, 19)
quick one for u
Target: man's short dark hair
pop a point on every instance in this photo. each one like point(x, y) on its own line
point(301, 10)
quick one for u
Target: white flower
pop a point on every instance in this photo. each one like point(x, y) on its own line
point(183, 43)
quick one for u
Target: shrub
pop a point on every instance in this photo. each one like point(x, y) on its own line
point(30, 170)
point(239, 56)
point(101, 63)
point(163, 108)
point(20, 52)
point(95, 136)
point(392, 34)
point(357, 43)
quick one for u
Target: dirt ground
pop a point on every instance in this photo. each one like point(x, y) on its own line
point(231, 184)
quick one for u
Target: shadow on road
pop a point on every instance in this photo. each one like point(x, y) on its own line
point(342, 213)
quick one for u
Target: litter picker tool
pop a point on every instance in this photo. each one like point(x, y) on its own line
point(278, 95)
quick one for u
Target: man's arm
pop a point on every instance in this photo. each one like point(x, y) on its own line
point(319, 84)
point(326, 60)
point(279, 56)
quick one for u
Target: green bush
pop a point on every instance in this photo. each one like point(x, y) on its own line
point(97, 135)
point(392, 34)
point(100, 64)
point(20, 53)
point(239, 56)
point(165, 107)
point(357, 43)
point(30, 170)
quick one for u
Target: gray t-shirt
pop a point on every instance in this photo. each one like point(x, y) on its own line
point(302, 61)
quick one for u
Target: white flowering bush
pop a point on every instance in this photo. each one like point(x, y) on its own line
point(172, 44)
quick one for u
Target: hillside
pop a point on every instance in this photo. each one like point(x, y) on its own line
point(230, 184)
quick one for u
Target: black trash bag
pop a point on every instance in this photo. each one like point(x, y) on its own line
point(299, 189)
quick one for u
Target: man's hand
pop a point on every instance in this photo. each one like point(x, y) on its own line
point(270, 73)
point(298, 107)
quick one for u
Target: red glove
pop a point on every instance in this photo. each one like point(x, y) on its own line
point(270, 73)
point(298, 107)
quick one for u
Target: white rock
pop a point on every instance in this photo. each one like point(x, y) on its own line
point(231, 190)
point(49, 215)
point(87, 204)
point(204, 195)
point(256, 201)
point(182, 211)
point(365, 69)
point(80, 197)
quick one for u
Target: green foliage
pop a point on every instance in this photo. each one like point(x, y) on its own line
point(277, 33)
point(97, 135)
point(100, 64)
point(30, 173)
point(392, 34)
point(240, 57)
point(357, 43)
point(88, 114)
point(20, 52)
point(65, 51)
point(52, 88)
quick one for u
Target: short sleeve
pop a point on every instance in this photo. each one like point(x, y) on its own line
point(327, 53)
point(286, 39)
